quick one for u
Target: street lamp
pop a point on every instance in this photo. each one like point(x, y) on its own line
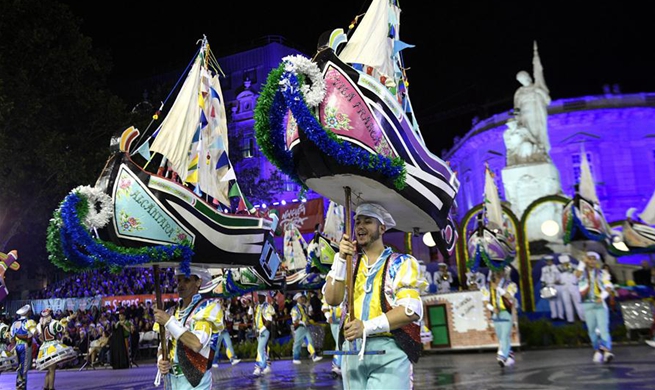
point(428, 240)
point(550, 228)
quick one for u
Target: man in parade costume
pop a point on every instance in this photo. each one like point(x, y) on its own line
point(300, 321)
point(52, 352)
point(223, 337)
point(22, 332)
point(190, 329)
point(595, 287)
point(499, 296)
point(262, 324)
point(387, 305)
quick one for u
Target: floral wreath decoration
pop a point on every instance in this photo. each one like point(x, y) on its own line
point(286, 89)
point(72, 247)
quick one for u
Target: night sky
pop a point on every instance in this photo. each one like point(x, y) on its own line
point(464, 64)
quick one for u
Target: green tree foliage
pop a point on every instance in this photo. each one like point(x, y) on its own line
point(56, 117)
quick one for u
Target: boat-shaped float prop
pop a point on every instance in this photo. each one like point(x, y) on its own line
point(491, 243)
point(344, 119)
point(582, 217)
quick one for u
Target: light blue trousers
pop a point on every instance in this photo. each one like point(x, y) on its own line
point(392, 370)
point(300, 334)
point(503, 326)
point(181, 383)
point(336, 360)
point(224, 338)
point(262, 348)
point(597, 316)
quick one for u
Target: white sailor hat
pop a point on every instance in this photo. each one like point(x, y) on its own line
point(262, 293)
point(202, 273)
point(564, 259)
point(24, 310)
point(593, 254)
point(442, 265)
point(297, 296)
point(376, 211)
point(549, 258)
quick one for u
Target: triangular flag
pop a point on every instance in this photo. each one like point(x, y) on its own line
point(234, 191)
point(229, 175)
point(223, 160)
point(400, 45)
point(144, 150)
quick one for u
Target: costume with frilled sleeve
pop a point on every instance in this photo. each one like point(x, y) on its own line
point(203, 318)
point(393, 280)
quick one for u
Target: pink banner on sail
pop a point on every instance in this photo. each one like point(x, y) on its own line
point(351, 117)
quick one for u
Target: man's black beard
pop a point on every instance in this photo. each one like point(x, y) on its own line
point(371, 239)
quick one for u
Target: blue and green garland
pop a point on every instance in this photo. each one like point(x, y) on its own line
point(71, 246)
point(271, 109)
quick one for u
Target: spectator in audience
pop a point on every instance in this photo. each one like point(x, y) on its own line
point(120, 357)
point(96, 347)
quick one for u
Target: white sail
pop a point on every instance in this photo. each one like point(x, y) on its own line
point(334, 222)
point(492, 201)
point(295, 248)
point(175, 134)
point(370, 43)
point(587, 188)
point(648, 215)
point(213, 162)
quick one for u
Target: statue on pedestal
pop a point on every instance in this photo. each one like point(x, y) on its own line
point(530, 120)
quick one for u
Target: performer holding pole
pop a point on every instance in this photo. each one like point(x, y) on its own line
point(385, 308)
point(190, 328)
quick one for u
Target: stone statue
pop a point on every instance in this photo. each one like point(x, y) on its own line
point(531, 102)
point(522, 146)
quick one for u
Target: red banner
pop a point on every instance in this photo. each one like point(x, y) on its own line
point(304, 215)
point(134, 300)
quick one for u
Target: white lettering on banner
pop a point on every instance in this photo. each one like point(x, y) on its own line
point(294, 215)
point(467, 310)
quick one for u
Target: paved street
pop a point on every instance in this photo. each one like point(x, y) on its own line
point(572, 368)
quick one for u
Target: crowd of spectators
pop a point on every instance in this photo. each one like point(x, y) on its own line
point(131, 281)
point(90, 331)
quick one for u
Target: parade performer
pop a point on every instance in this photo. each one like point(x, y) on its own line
point(387, 304)
point(500, 297)
point(8, 360)
point(52, 352)
point(475, 280)
point(189, 328)
point(550, 277)
point(22, 332)
point(300, 322)
point(595, 287)
point(262, 323)
point(570, 291)
point(444, 279)
point(333, 317)
point(223, 338)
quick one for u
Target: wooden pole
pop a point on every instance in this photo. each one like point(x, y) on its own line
point(349, 261)
point(162, 329)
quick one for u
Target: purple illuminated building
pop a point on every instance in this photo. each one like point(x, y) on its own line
point(618, 133)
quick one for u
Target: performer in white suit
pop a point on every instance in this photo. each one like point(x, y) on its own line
point(550, 277)
point(570, 290)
